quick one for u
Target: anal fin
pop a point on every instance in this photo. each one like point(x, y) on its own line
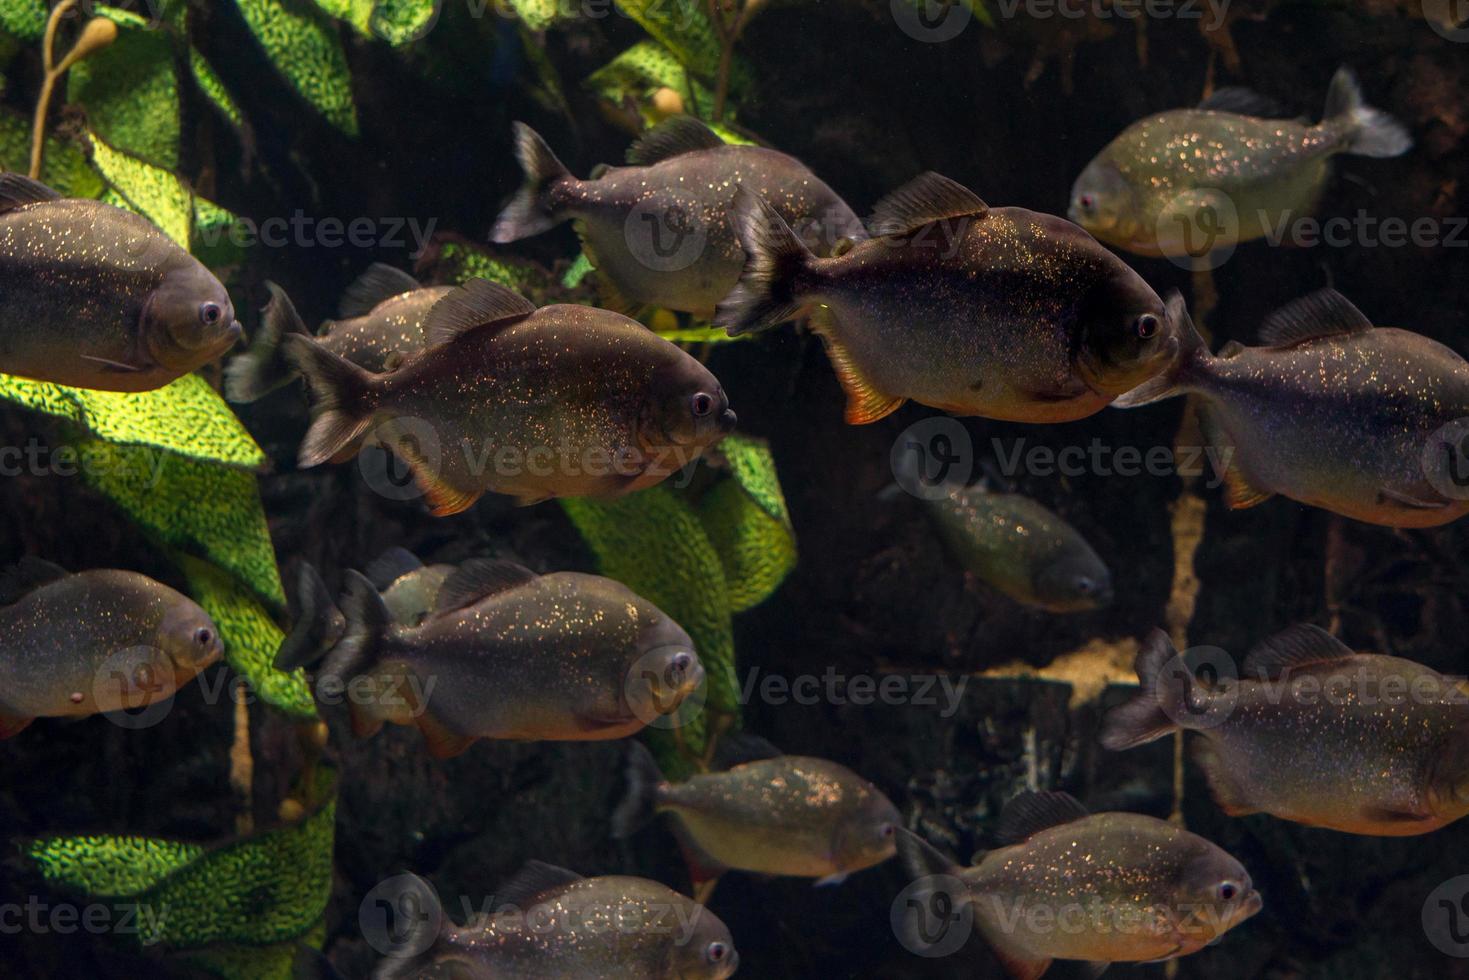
point(865, 403)
point(1226, 790)
point(1239, 492)
point(442, 743)
point(12, 725)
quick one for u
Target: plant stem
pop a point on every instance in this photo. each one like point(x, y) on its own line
point(48, 85)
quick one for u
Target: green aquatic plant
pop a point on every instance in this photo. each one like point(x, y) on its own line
point(236, 908)
point(305, 48)
point(130, 91)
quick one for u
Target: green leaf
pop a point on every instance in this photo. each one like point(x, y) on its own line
point(747, 522)
point(681, 26)
point(26, 19)
point(536, 14)
point(306, 50)
point(455, 261)
point(186, 417)
point(578, 271)
point(401, 22)
point(267, 888)
point(635, 74)
point(64, 167)
point(130, 91)
point(213, 88)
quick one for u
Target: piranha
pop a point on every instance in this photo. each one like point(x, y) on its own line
point(379, 324)
point(505, 653)
point(1001, 312)
point(1189, 181)
point(74, 645)
point(97, 297)
point(1330, 411)
point(552, 924)
point(1071, 885)
point(1314, 732)
point(778, 815)
point(658, 229)
point(1018, 546)
point(564, 401)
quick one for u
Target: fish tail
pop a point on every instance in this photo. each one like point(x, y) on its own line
point(1189, 350)
point(936, 879)
point(639, 804)
point(344, 394)
point(1368, 132)
point(426, 933)
point(263, 367)
point(769, 290)
point(1164, 698)
point(318, 625)
point(532, 210)
point(366, 625)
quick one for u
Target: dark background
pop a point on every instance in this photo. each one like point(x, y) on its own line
point(838, 85)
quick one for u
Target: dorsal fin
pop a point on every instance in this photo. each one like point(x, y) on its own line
point(478, 578)
point(1294, 646)
point(736, 750)
point(1029, 813)
point(378, 283)
point(1324, 313)
point(673, 137)
point(477, 303)
point(533, 880)
point(390, 566)
point(1243, 102)
point(923, 200)
point(27, 575)
point(18, 189)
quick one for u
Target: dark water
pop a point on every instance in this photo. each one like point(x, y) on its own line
point(866, 107)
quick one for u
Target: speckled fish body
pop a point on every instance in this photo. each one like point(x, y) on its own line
point(1102, 888)
point(574, 928)
point(660, 231)
point(411, 596)
point(391, 331)
point(1144, 191)
point(1021, 548)
point(510, 654)
point(96, 641)
point(1000, 312)
point(1339, 421)
point(97, 297)
point(787, 815)
point(1325, 736)
point(564, 401)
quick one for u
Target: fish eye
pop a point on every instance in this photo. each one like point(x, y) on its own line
point(1147, 326)
point(679, 665)
point(886, 830)
point(1228, 890)
point(1085, 585)
point(716, 952)
point(701, 404)
point(203, 636)
point(210, 313)
point(1087, 202)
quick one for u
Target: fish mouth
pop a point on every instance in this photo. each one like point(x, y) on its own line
point(727, 421)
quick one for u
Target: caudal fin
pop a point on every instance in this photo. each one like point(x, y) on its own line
point(1369, 132)
point(767, 293)
point(1189, 349)
point(532, 210)
point(1165, 684)
point(263, 367)
point(318, 625)
point(367, 621)
point(640, 803)
point(344, 397)
point(411, 942)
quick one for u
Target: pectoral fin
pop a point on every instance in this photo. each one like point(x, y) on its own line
point(116, 366)
point(1387, 495)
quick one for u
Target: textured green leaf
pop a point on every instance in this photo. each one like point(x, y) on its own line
point(455, 261)
point(151, 191)
point(536, 14)
point(681, 26)
point(64, 166)
point(213, 88)
point(305, 48)
point(26, 19)
point(201, 509)
point(267, 888)
point(402, 21)
point(635, 74)
point(747, 522)
point(358, 13)
point(579, 270)
point(130, 91)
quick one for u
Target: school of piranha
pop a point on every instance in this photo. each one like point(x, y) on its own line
point(938, 298)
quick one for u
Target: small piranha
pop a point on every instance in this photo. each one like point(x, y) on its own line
point(379, 324)
point(74, 645)
point(1314, 732)
point(658, 230)
point(562, 401)
point(1001, 312)
point(97, 297)
point(1019, 547)
point(1189, 181)
point(1070, 885)
point(1330, 411)
point(505, 654)
point(553, 924)
point(777, 815)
